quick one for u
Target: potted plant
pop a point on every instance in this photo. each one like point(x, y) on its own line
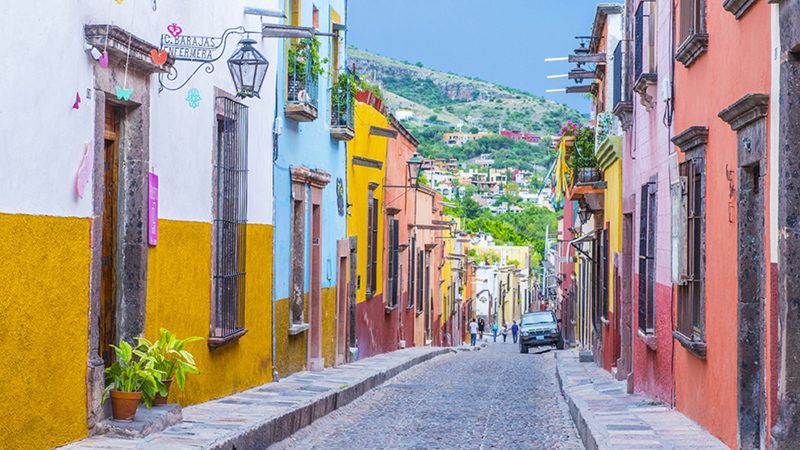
point(304, 62)
point(343, 95)
point(170, 359)
point(128, 379)
point(580, 157)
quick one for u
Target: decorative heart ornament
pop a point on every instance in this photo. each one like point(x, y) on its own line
point(77, 103)
point(123, 93)
point(174, 29)
point(159, 57)
point(104, 60)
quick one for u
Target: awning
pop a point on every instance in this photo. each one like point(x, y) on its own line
point(585, 238)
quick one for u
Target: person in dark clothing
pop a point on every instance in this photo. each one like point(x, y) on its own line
point(481, 328)
point(514, 331)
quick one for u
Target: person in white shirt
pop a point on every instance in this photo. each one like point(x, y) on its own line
point(473, 332)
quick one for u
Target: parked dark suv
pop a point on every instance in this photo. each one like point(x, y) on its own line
point(539, 328)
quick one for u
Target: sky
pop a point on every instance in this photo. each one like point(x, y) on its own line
point(501, 41)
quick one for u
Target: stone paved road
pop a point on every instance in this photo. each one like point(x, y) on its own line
point(492, 398)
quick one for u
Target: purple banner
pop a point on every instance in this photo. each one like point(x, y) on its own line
point(152, 210)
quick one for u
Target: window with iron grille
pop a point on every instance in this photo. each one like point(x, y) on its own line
point(411, 272)
point(647, 255)
point(420, 280)
point(372, 243)
point(691, 19)
point(604, 274)
point(617, 74)
point(690, 294)
point(230, 217)
point(638, 41)
point(392, 263)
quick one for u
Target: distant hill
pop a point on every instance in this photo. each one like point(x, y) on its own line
point(455, 100)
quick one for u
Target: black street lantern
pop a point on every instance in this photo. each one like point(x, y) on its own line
point(414, 169)
point(248, 69)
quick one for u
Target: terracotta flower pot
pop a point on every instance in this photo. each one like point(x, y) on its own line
point(124, 404)
point(569, 141)
point(162, 399)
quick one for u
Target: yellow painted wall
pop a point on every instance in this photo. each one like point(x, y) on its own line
point(358, 178)
point(446, 274)
point(613, 216)
point(291, 350)
point(179, 299)
point(44, 309)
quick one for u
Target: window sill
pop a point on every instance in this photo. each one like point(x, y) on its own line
point(298, 328)
point(389, 309)
point(215, 342)
point(605, 321)
point(419, 312)
point(649, 340)
point(737, 7)
point(692, 49)
point(697, 348)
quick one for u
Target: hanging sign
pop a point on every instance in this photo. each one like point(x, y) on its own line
point(340, 196)
point(152, 210)
point(192, 48)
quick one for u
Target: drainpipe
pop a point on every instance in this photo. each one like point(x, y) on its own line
point(275, 375)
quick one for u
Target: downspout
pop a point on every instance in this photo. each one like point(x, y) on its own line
point(275, 375)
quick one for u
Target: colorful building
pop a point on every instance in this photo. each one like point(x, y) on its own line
point(310, 176)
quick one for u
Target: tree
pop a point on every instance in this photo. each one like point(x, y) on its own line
point(419, 64)
point(433, 118)
point(471, 208)
point(474, 130)
point(470, 190)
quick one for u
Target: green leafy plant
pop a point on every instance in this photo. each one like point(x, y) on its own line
point(169, 357)
point(301, 55)
point(134, 371)
point(582, 154)
point(342, 93)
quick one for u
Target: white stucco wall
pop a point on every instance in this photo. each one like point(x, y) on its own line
point(43, 138)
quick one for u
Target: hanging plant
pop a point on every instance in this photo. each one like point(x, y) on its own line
point(304, 60)
point(582, 154)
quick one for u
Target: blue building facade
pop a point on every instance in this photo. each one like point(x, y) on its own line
point(310, 231)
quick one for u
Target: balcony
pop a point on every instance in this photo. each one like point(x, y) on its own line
point(342, 125)
point(302, 87)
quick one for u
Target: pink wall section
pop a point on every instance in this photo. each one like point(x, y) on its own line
point(702, 91)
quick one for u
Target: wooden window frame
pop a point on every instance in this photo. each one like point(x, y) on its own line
point(373, 208)
point(691, 295)
point(392, 261)
point(647, 257)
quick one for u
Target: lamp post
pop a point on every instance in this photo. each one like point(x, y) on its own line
point(248, 68)
point(414, 169)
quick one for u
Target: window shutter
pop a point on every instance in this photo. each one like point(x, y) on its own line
point(395, 255)
point(678, 200)
point(638, 41)
point(374, 245)
point(645, 194)
point(411, 272)
point(370, 249)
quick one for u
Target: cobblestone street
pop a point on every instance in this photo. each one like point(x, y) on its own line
point(492, 398)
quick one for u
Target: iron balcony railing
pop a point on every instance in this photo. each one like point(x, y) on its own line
point(302, 81)
point(342, 102)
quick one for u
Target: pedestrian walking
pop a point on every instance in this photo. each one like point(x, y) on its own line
point(481, 326)
point(495, 327)
point(473, 332)
point(514, 331)
point(505, 331)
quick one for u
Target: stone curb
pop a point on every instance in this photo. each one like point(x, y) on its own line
point(281, 427)
point(586, 431)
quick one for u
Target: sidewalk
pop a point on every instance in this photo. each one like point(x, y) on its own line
point(260, 416)
point(607, 417)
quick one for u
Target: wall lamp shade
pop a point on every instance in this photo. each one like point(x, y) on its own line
point(414, 168)
point(248, 68)
point(584, 215)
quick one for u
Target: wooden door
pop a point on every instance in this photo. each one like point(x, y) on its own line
point(108, 283)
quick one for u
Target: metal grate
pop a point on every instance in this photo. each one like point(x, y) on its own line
point(617, 74)
point(231, 216)
point(638, 37)
point(342, 101)
point(302, 82)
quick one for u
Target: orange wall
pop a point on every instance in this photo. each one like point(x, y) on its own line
point(710, 85)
